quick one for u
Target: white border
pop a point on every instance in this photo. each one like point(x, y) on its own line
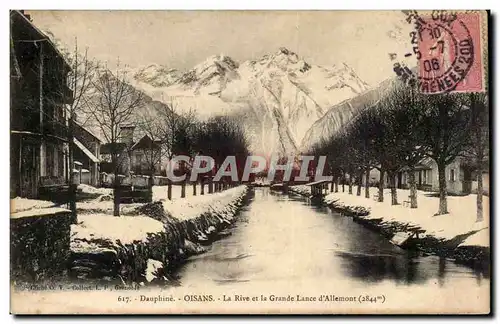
point(190, 4)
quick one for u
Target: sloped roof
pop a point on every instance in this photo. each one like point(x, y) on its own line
point(85, 129)
point(85, 150)
point(15, 71)
point(108, 148)
point(40, 34)
point(146, 143)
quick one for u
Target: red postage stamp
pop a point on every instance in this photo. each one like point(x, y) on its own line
point(449, 49)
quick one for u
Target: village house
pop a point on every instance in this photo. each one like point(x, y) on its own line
point(461, 179)
point(39, 138)
point(86, 155)
point(145, 155)
point(134, 157)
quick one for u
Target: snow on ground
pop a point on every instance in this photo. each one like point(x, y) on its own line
point(194, 206)
point(103, 207)
point(302, 190)
point(102, 225)
point(19, 204)
point(127, 229)
point(161, 192)
point(85, 188)
point(460, 220)
point(481, 238)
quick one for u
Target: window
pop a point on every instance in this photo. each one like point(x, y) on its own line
point(138, 157)
point(49, 160)
point(452, 175)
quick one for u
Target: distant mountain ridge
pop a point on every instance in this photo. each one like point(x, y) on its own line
point(277, 98)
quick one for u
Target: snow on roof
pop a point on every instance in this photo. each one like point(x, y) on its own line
point(78, 163)
point(85, 150)
point(317, 182)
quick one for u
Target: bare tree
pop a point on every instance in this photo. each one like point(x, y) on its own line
point(151, 144)
point(219, 137)
point(478, 148)
point(77, 86)
point(446, 125)
point(404, 111)
point(176, 128)
point(112, 106)
point(80, 80)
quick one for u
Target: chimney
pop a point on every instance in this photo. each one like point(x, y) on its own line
point(25, 15)
point(127, 134)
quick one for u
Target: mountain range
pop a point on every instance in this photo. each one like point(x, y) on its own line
point(284, 103)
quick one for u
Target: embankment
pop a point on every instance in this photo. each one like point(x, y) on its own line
point(149, 241)
point(456, 236)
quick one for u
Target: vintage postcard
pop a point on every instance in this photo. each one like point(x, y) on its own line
point(249, 162)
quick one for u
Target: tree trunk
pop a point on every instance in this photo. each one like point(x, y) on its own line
point(332, 184)
point(337, 184)
point(150, 186)
point(169, 189)
point(116, 195)
point(381, 186)
point(183, 189)
point(413, 188)
point(479, 200)
point(210, 186)
point(194, 188)
point(394, 192)
point(343, 182)
point(359, 180)
point(350, 184)
point(443, 203)
point(367, 183)
point(202, 189)
point(71, 178)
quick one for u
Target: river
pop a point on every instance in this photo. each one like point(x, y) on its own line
point(283, 244)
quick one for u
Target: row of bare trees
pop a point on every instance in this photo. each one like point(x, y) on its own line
point(105, 101)
point(177, 132)
point(172, 131)
point(402, 129)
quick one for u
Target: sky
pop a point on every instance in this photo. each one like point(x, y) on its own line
point(181, 39)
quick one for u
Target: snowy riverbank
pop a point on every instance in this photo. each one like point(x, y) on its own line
point(451, 235)
point(149, 240)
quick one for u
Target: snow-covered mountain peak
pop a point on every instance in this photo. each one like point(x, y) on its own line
point(285, 60)
point(157, 75)
point(211, 75)
point(277, 97)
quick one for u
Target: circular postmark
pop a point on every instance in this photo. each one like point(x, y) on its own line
point(444, 50)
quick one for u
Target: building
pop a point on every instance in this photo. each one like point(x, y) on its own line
point(145, 155)
point(460, 177)
point(86, 155)
point(39, 94)
point(134, 157)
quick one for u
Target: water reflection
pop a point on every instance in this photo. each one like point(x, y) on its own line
point(284, 238)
